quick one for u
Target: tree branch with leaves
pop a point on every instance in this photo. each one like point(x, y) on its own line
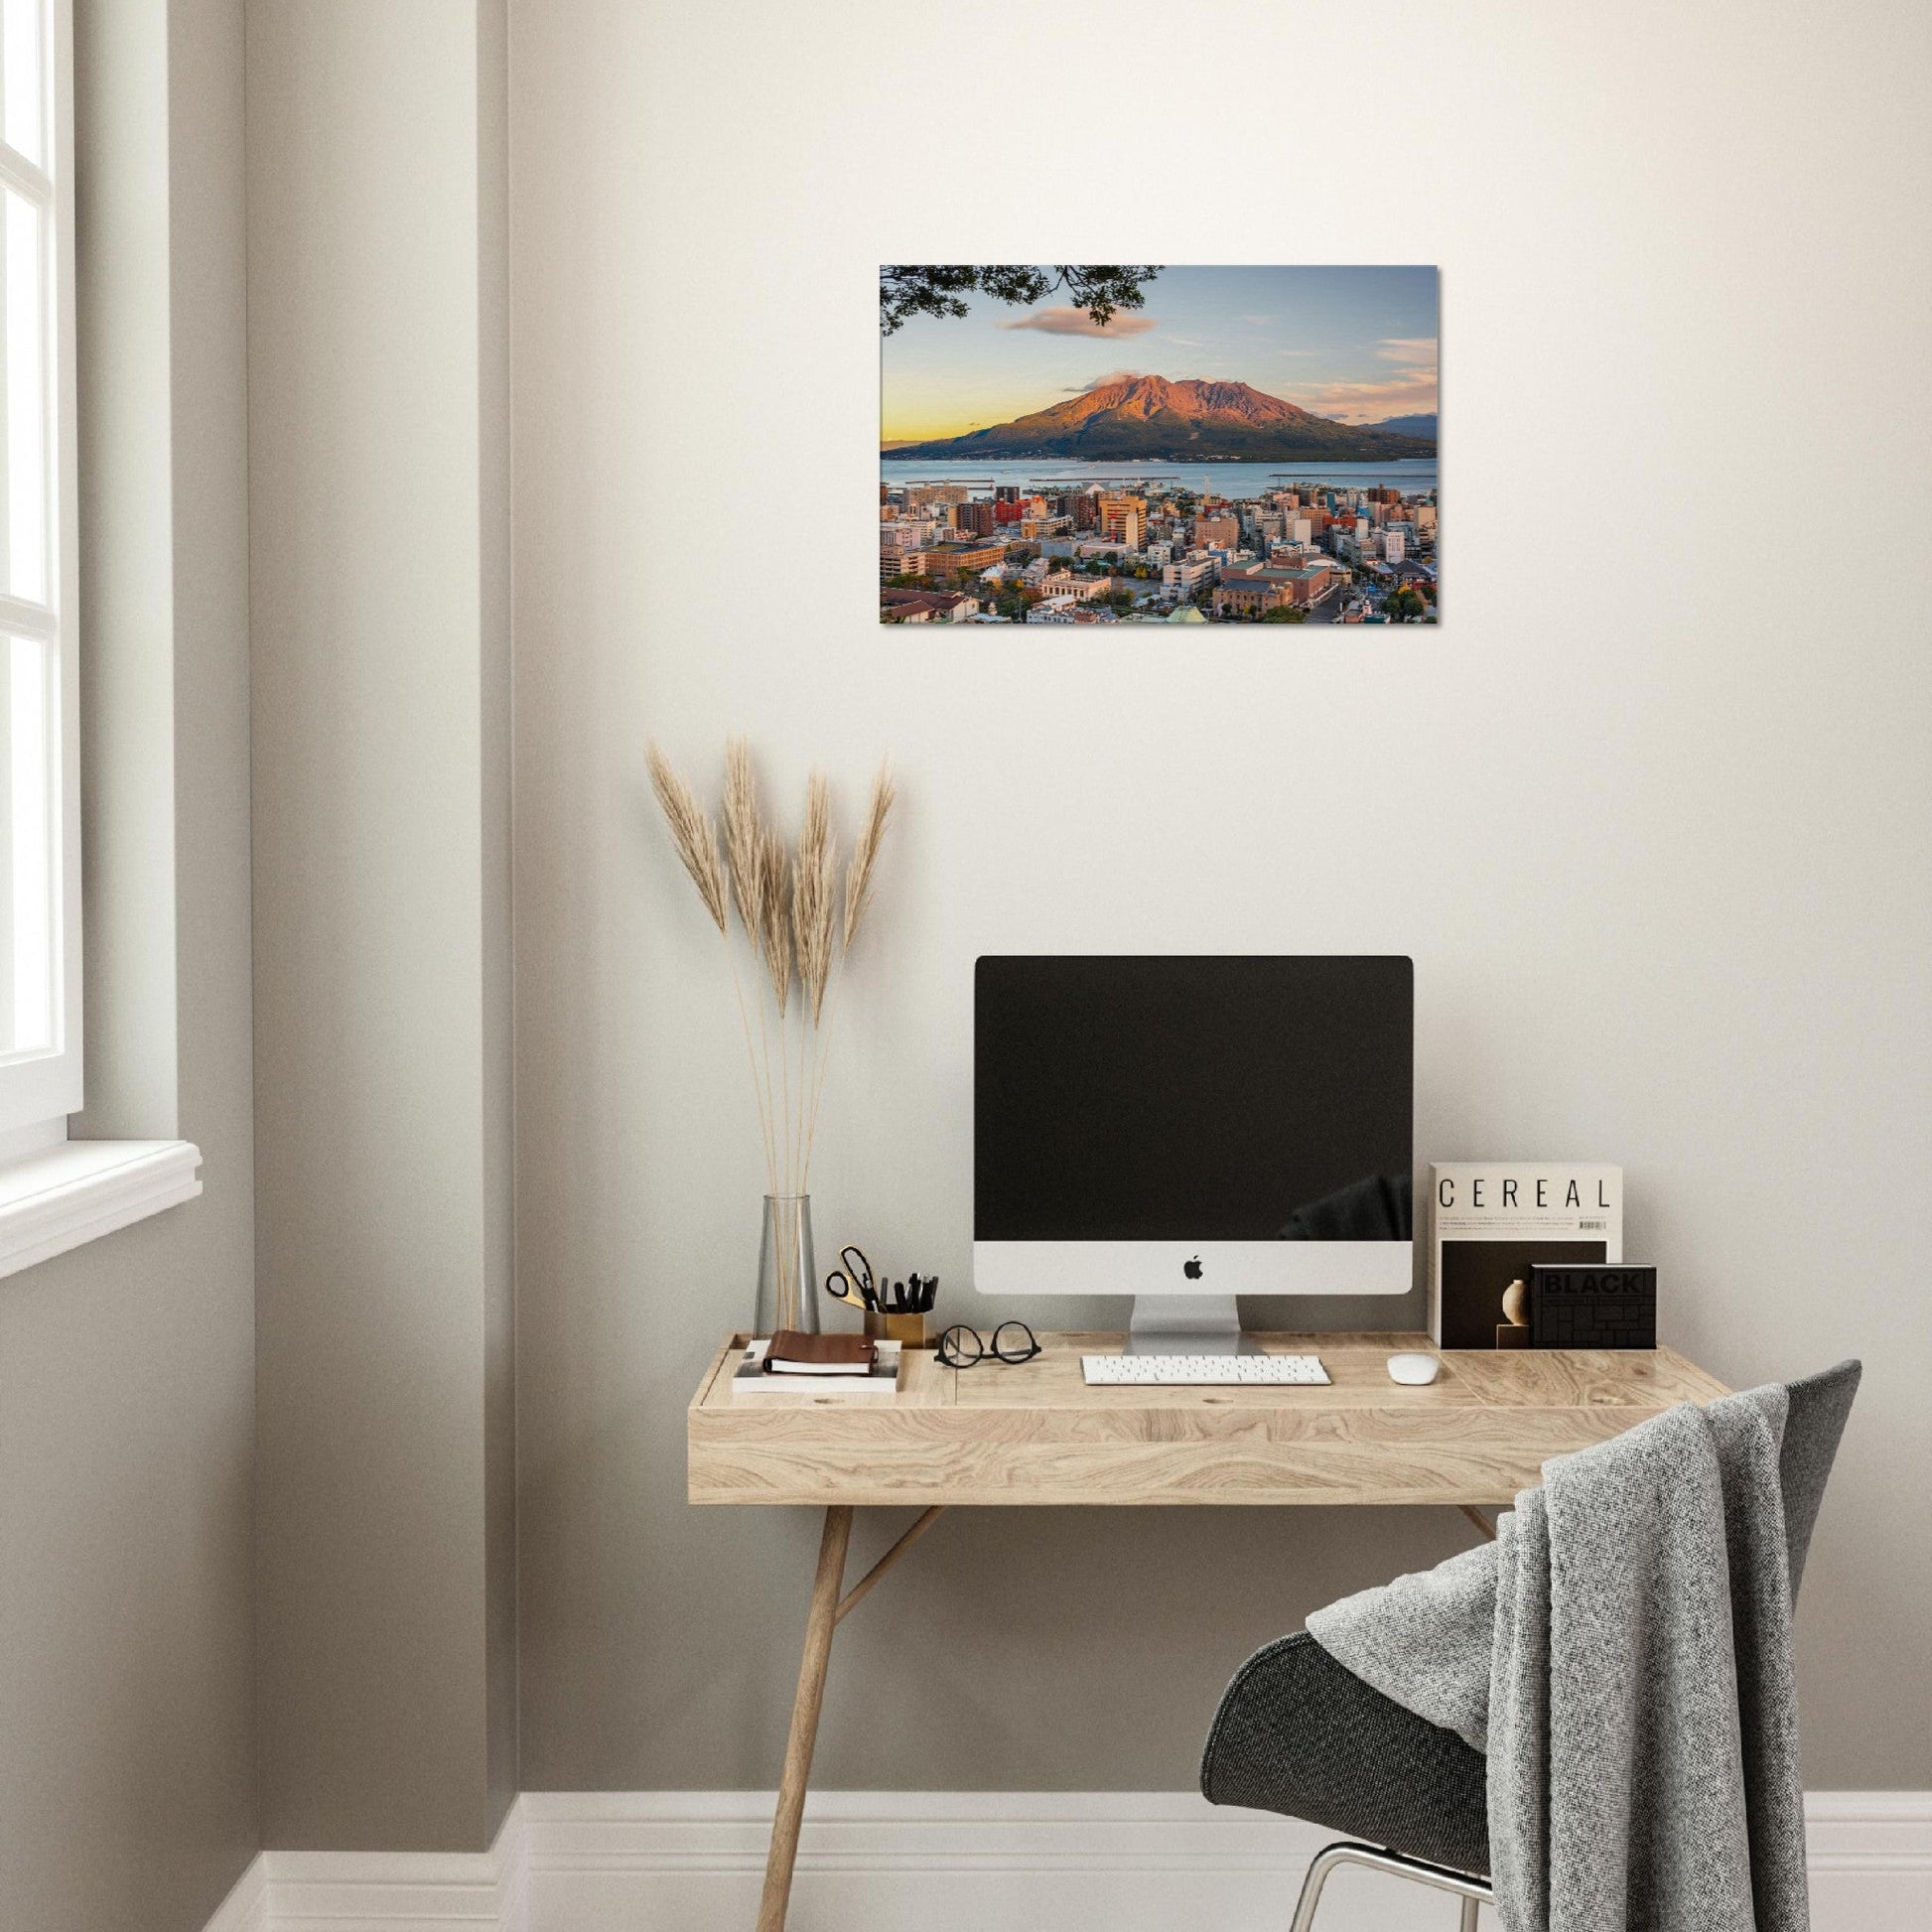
point(908, 289)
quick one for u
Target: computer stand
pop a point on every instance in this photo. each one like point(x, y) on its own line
point(1187, 1324)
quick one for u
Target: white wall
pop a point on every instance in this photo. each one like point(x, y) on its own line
point(1651, 810)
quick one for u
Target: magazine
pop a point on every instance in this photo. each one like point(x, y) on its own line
point(1489, 1220)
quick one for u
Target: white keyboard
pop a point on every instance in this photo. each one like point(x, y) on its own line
point(1163, 1371)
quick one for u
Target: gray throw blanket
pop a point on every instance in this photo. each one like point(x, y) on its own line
point(1622, 1652)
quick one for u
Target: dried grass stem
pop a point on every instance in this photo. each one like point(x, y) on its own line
point(789, 914)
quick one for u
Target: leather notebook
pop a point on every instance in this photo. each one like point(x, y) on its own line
point(793, 1354)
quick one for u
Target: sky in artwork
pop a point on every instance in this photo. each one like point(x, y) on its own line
point(1354, 343)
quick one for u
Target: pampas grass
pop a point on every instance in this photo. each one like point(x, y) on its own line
point(692, 833)
point(814, 895)
point(865, 854)
point(741, 842)
point(789, 913)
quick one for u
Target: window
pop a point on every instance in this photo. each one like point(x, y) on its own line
point(55, 1192)
point(40, 842)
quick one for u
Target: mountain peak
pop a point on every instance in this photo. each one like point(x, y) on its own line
point(1148, 417)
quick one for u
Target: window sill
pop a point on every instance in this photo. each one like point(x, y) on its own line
point(80, 1189)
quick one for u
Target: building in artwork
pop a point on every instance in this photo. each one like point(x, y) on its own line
point(1079, 589)
point(1185, 577)
point(1122, 519)
point(1329, 552)
point(941, 559)
point(1256, 591)
point(899, 544)
point(1241, 596)
point(926, 607)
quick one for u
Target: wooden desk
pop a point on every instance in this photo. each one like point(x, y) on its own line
point(1033, 1435)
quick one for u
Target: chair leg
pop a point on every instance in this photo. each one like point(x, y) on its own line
point(1324, 1863)
point(1470, 1889)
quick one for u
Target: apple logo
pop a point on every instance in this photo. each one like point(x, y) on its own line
point(1192, 1269)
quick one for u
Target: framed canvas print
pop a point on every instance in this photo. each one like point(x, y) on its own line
point(1076, 443)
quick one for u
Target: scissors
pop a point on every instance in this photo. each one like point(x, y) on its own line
point(852, 1282)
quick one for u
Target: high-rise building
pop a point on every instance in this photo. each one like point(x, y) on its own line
point(975, 516)
point(1219, 531)
point(1124, 519)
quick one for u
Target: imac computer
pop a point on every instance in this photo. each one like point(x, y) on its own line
point(1186, 1130)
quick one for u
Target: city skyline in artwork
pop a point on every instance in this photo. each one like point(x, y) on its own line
point(1081, 445)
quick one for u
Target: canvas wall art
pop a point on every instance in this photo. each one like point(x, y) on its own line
point(1101, 445)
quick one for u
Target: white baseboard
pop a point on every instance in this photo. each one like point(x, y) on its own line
point(386, 1891)
point(953, 1861)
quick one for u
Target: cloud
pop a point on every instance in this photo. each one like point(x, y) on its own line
point(1076, 321)
point(1409, 391)
point(1412, 393)
point(1104, 382)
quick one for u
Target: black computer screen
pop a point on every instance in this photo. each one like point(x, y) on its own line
point(1190, 1099)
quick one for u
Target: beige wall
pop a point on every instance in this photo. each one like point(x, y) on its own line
point(1655, 829)
point(127, 1798)
point(379, 540)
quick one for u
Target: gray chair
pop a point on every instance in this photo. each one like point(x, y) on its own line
point(1299, 1734)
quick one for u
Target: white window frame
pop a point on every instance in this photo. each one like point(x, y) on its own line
point(57, 1192)
point(40, 1088)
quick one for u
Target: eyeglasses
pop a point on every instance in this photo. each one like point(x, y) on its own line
point(963, 1347)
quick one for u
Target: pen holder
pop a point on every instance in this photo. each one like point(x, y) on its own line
point(906, 1329)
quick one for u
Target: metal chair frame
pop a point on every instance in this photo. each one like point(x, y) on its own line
point(1472, 1891)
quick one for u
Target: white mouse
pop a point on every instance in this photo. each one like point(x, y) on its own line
point(1414, 1369)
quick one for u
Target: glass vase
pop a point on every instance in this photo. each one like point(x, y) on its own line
point(788, 1273)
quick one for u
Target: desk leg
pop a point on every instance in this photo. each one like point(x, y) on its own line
point(804, 1718)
